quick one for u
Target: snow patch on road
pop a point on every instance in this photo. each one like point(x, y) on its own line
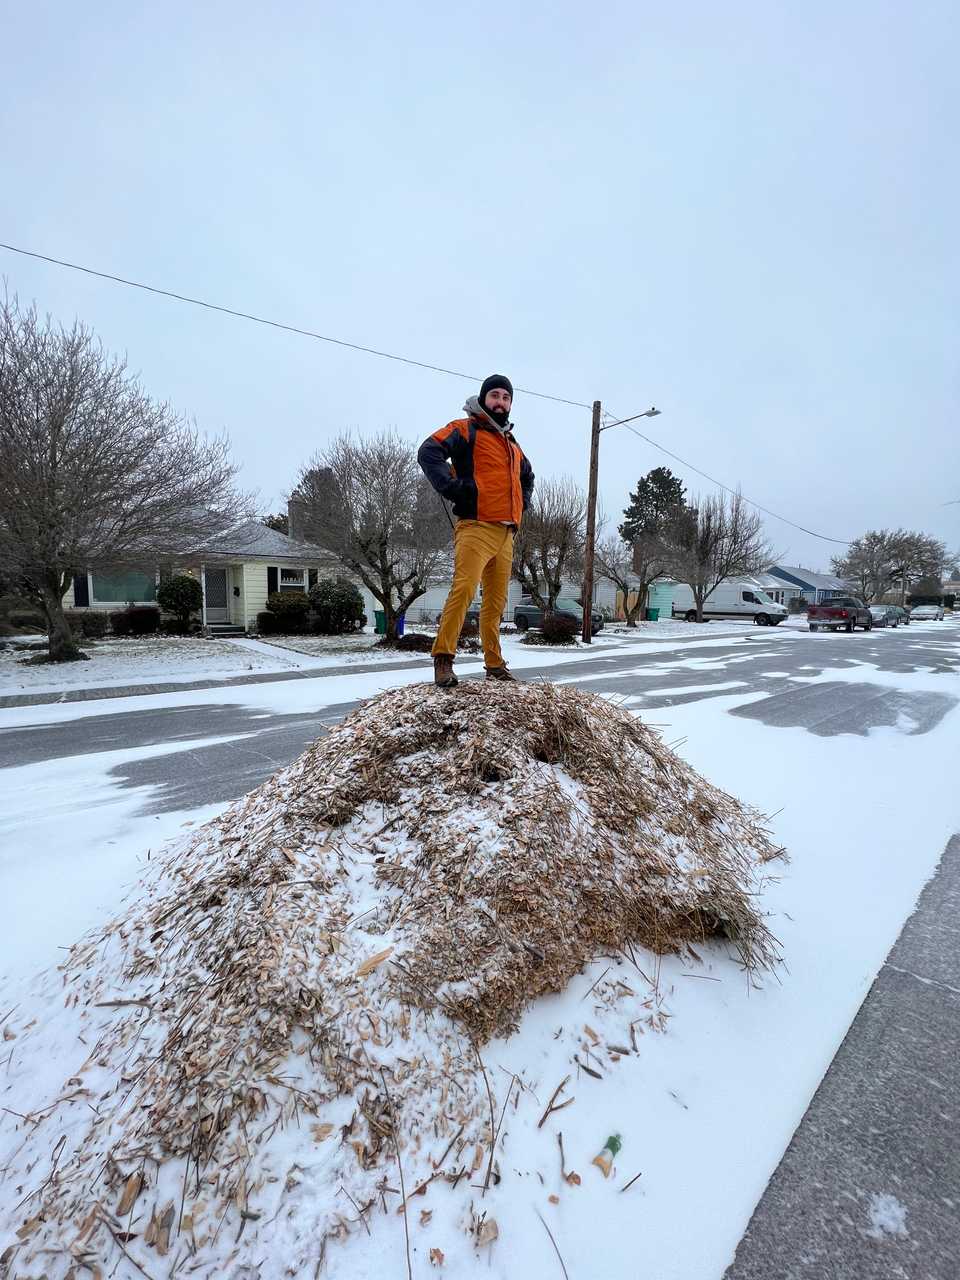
point(888, 1217)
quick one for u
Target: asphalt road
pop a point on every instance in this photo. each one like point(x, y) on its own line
point(885, 1116)
point(223, 771)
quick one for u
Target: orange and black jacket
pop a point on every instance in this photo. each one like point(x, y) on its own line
point(482, 471)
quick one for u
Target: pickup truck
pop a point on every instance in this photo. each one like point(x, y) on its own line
point(527, 614)
point(845, 613)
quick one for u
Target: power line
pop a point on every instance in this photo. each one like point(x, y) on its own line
point(389, 355)
point(277, 324)
point(844, 542)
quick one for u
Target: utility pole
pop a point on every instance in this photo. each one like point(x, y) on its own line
point(587, 593)
point(588, 552)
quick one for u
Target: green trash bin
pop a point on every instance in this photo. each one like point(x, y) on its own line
point(653, 615)
point(380, 622)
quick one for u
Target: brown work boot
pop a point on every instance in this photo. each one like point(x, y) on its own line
point(443, 675)
point(501, 673)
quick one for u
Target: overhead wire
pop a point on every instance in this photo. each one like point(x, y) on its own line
point(407, 360)
point(844, 542)
point(278, 324)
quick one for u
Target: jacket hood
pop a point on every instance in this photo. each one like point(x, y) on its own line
point(474, 409)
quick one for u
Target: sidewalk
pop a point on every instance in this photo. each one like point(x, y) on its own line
point(867, 1189)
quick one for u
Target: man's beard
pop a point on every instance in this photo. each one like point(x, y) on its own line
point(500, 416)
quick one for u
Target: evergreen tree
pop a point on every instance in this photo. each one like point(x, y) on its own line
point(658, 493)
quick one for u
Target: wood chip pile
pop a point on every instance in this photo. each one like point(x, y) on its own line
point(291, 1012)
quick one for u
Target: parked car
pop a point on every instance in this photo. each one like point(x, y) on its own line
point(927, 613)
point(845, 613)
point(735, 598)
point(885, 615)
point(902, 613)
point(527, 614)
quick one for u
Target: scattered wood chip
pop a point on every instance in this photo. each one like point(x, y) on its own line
point(489, 1231)
point(425, 1216)
point(372, 962)
point(321, 1132)
point(554, 1199)
point(131, 1189)
point(436, 1257)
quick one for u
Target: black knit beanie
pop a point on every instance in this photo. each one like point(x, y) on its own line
point(489, 384)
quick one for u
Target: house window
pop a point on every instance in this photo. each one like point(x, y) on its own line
point(291, 580)
point(123, 588)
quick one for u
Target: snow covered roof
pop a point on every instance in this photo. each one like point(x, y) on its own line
point(820, 581)
point(253, 539)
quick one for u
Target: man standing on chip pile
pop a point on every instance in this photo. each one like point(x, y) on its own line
point(475, 463)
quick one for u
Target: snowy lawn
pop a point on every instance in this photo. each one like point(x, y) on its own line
point(172, 659)
point(337, 651)
point(143, 660)
point(705, 1109)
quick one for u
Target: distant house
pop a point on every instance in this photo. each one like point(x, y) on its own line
point(814, 587)
point(237, 572)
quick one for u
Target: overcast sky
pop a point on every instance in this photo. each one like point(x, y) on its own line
point(745, 213)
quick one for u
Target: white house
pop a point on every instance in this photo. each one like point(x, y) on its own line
point(236, 571)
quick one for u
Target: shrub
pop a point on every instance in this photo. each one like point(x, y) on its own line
point(90, 624)
point(27, 618)
point(268, 624)
point(137, 622)
point(337, 607)
point(559, 628)
point(415, 642)
point(290, 609)
point(181, 595)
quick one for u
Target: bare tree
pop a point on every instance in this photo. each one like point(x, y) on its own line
point(95, 473)
point(367, 503)
point(881, 559)
point(550, 541)
point(866, 565)
point(914, 556)
point(715, 538)
point(632, 569)
point(615, 563)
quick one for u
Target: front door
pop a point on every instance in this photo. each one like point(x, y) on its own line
point(215, 591)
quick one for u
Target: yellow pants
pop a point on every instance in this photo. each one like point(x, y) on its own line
point(482, 554)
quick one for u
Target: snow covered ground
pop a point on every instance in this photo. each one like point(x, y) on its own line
point(148, 660)
point(174, 659)
point(706, 1108)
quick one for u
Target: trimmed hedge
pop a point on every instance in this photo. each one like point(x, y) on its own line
point(91, 624)
point(291, 608)
point(135, 622)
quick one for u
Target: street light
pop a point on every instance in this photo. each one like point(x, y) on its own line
point(587, 593)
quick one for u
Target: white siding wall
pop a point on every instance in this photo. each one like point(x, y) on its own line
point(68, 598)
point(253, 592)
point(236, 605)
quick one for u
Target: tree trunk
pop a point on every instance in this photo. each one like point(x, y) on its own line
point(633, 612)
point(61, 645)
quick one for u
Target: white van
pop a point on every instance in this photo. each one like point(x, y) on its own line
point(735, 598)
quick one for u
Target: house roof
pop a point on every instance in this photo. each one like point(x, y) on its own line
point(253, 540)
point(815, 581)
point(768, 582)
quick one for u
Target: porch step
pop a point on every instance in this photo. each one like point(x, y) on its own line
point(221, 629)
